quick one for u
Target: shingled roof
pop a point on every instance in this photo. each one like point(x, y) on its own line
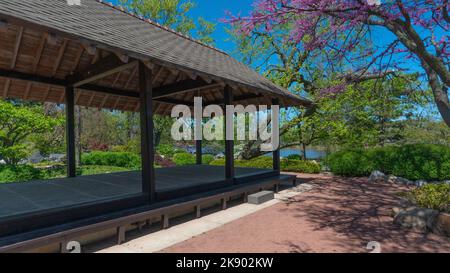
point(101, 24)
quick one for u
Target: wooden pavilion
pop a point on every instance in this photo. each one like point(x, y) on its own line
point(101, 56)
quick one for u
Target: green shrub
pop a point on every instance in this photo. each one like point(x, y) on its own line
point(415, 162)
point(206, 159)
point(117, 159)
point(294, 157)
point(218, 162)
point(266, 162)
point(300, 166)
point(432, 196)
point(182, 159)
point(167, 150)
point(349, 163)
point(18, 173)
point(91, 170)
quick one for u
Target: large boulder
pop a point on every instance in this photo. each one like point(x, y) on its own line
point(57, 158)
point(404, 181)
point(36, 158)
point(417, 218)
point(442, 224)
point(377, 176)
point(420, 183)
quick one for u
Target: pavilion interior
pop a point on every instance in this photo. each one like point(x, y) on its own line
point(35, 65)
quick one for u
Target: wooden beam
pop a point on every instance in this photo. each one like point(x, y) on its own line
point(58, 59)
point(157, 75)
point(76, 63)
point(130, 79)
point(180, 87)
point(147, 145)
point(116, 79)
point(31, 78)
point(28, 90)
point(47, 92)
point(70, 131)
point(105, 67)
point(229, 143)
point(90, 49)
point(108, 90)
point(105, 99)
point(6, 88)
point(117, 102)
point(91, 99)
point(17, 47)
point(77, 97)
point(39, 52)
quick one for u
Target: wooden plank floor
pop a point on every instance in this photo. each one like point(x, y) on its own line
point(26, 197)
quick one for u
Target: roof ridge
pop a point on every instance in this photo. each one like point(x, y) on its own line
point(149, 21)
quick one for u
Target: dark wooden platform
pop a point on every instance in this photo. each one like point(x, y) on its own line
point(27, 197)
point(120, 219)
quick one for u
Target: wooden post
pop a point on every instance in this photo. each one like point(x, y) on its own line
point(198, 211)
point(121, 230)
point(147, 145)
point(70, 131)
point(229, 144)
point(198, 152)
point(276, 152)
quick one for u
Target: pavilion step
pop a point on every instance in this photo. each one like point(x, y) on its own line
point(261, 197)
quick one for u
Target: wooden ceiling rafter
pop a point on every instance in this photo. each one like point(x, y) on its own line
point(110, 91)
point(104, 67)
point(59, 57)
point(77, 61)
point(132, 75)
point(17, 44)
point(12, 65)
point(47, 92)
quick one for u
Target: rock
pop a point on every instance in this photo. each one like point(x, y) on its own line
point(420, 183)
point(391, 179)
point(56, 157)
point(395, 211)
point(2, 162)
point(36, 158)
point(377, 176)
point(417, 218)
point(404, 181)
point(442, 226)
point(219, 156)
point(447, 182)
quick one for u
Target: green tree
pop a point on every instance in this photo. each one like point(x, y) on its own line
point(17, 123)
point(299, 69)
point(174, 14)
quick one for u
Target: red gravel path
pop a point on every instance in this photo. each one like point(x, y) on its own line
point(339, 215)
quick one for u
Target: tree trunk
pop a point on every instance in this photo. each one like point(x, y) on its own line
point(304, 151)
point(440, 93)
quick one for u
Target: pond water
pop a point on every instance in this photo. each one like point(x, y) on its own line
point(310, 153)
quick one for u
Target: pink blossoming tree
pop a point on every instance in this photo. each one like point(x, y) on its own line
point(420, 29)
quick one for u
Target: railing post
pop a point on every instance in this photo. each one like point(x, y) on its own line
point(147, 144)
